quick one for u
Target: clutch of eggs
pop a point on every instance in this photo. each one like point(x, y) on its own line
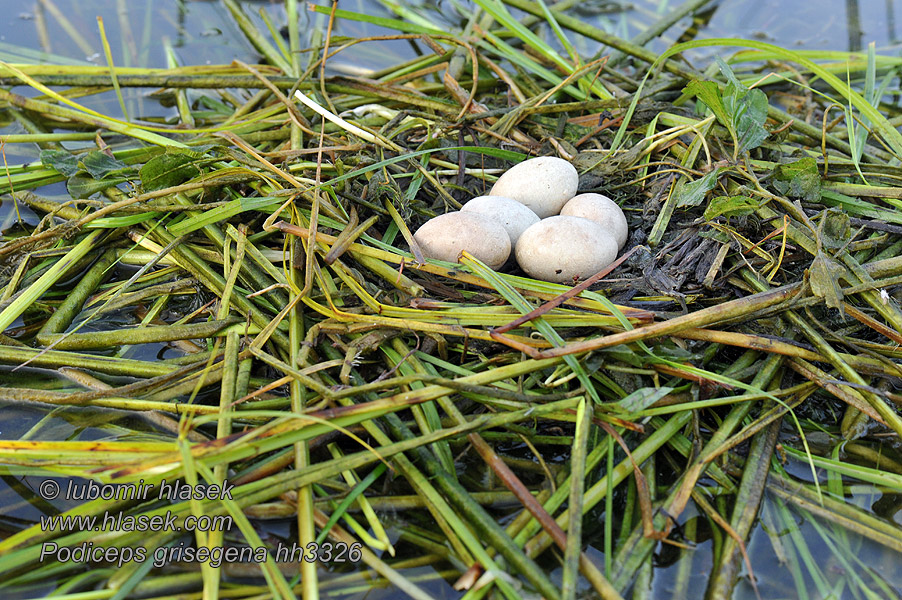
point(533, 210)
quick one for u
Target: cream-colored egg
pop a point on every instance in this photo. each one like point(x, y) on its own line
point(446, 236)
point(563, 249)
point(602, 210)
point(543, 184)
point(513, 216)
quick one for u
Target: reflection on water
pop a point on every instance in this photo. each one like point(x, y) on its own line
point(202, 31)
point(822, 25)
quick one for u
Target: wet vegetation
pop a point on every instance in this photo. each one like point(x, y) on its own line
point(233, 297)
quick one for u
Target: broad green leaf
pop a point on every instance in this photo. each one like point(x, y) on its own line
point(741, 110)
point(174, 167)
point(799, 179)
point(82, 185)
point(642, 399)
point(101, 165)
point(730, 206)
point(693, 192)
point(750, 123)
point(824, 279)
point(709, 93)
point(60, 160)
point(836, 229)
point(624, 354)
point(747, 109)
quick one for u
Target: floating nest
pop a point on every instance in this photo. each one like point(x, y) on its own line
point(232, 299)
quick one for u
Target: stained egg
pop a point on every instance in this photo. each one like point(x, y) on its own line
point(513, 216)
point(564, 249)
point(446, 236)
point(543, 184)
point(601, 210)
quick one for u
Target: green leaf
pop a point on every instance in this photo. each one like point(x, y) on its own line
point(101, 165)
point(126, 221)
point(82, 185)
point(642, 399)
point(730, 206)
point(750, 123)
point(823, 275)
point(717, 236)
point(174, 167)
point(624, 354)
point(859, 208)
point(799, 179)
point(215, 105)
point(60, 160)
point(741, 110)
point(835, 230)
point(709, 93)
point(226, 211)
point(693, 192)
point(747, 109)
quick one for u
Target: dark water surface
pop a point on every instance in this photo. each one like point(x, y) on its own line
point(203, 32)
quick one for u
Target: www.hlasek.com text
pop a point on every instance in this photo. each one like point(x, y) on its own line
point(168, 521)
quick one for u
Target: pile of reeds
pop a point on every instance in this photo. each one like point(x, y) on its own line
point(236, 296)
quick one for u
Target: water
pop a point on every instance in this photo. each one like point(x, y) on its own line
point(203, 32)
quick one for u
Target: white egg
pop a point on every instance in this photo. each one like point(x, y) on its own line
point(563, 249)
point(602, 210)
point(513, 216)
point(543, 184)
point(446, 236)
